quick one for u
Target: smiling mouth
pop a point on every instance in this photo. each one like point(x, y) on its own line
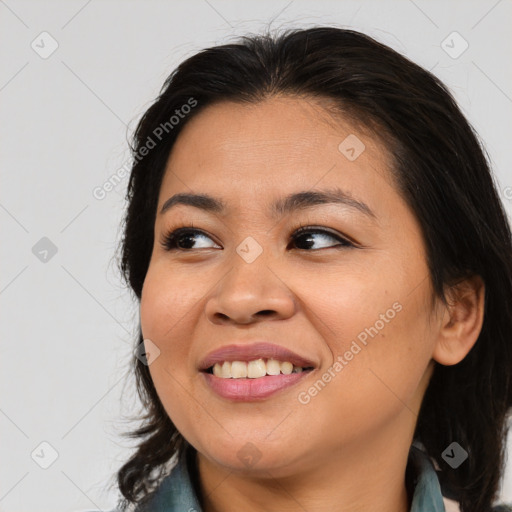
point(254, 369)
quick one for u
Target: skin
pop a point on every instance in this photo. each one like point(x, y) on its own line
point(347, 448)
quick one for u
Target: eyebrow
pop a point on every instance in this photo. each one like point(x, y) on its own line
point(286, 205)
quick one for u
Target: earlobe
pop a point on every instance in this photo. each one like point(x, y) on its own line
point(462, 321)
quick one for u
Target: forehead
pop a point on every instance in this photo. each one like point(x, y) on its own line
point(276, 125)
point(277, 146)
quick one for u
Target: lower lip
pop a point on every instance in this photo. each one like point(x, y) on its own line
point(246, 390)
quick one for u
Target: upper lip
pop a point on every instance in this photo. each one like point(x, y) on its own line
point(259, 350)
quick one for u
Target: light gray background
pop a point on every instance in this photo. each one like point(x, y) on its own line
point(68, 324)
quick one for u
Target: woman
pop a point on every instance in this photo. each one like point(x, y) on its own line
point(325, 280)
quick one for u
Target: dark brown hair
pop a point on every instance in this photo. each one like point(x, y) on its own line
point(442, 173)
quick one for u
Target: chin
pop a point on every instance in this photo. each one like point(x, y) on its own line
point(253, 457)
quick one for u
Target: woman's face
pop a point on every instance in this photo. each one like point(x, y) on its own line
point(357, 310)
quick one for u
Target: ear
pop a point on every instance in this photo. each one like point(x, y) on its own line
point(462, 321)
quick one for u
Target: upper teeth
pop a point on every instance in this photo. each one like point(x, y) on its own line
point(253, 369)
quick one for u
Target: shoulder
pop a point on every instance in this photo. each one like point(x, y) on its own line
point(98, 510)
point(452, 506)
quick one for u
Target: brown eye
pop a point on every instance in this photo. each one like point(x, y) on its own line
point(307, 237)
point(186, 238)
point(183, 239)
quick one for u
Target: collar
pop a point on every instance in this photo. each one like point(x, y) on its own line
point(176, 492)
point(427, 495)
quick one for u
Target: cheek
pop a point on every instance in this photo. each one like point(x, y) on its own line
point(168, 314)
point(350, 305)
point(166, 300)
point(378, 337)
point(370, 384)
point(167, 317)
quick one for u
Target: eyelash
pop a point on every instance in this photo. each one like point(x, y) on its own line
point(169, 241)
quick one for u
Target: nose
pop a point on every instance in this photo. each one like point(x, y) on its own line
point(250, 292)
